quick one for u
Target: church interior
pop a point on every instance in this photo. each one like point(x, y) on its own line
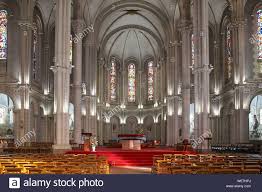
point(130, 86)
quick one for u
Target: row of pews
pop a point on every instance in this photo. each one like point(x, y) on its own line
point(53, 164)
point(29, 147)
point(206, 164)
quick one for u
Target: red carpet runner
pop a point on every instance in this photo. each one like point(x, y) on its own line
point(119, 157)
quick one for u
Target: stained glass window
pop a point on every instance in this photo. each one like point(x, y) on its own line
point(229, 58)
point(150, 81)
point(3, 34)
point(34, 59)
point(71, 49)
point(131, 82)
point(113, 81)
point(193, 49)
point(259, 33)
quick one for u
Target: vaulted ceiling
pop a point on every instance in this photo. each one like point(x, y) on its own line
point(132, 28)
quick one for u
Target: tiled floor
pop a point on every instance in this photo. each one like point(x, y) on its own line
point(130, 170)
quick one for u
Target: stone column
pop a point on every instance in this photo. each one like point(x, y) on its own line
point(186, 32)
point(26, 27)
point(101, 94)
point(172, 91)
point(90, 80)
point(62, 70)
point(239, 57)
point(141, 87)
point(201, 69)
point(78, 27)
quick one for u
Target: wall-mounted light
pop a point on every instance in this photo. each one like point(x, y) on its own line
point(170, 92)
point(83, 111)
point(46, 92)
point(237, 80)
point(93, 113)
point(122, 121)
point(140, 106)
point(170, 113)
point(179, 111)
point(93, 92)
point(216, 91)
point(216, 112)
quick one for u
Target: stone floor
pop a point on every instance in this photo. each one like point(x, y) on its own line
point(130, 170)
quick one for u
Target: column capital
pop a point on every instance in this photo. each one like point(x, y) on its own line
point(26, 25)
point(59, 68)
point(185, 26)
point(238, 22)
point(204, 68)
point(175, 44)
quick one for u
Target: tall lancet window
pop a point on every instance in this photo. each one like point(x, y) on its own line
point(3, 34)
point(71, 49)
point(150, 81)
point(193, 50)
point(259, 35)
point(36, 48)
point(131, 82)
point(35, 51)
point(113, 81)
point(228, 54)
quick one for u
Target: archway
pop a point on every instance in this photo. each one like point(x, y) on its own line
point(6, 116)
point(255, 118)
point(131, 125)
point(115, 127)
point(149, 129)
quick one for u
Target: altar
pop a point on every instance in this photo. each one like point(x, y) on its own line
point(131, 141)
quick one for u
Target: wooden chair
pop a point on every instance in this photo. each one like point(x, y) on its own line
point(12, 170)
point(251, 171)
point(181, 171)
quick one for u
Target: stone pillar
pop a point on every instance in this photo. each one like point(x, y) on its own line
point(90, 80)
point(201, 69)
point(62, 70)
point(101, 94)
point(239, 57)
point(26, 27)
point(141, 87)
point(186, 32)
point(172, 132)
point(78, 27)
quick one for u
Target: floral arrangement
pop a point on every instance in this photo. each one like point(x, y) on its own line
point(93, 141)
